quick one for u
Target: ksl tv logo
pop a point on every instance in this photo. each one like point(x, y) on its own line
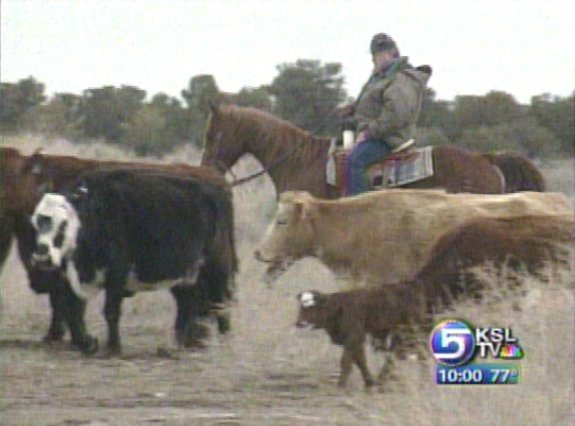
point(454, 342)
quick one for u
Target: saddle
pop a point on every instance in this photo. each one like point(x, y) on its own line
point(403, 166)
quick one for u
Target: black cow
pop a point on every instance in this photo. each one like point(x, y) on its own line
point(23, 180)
point(128, 230)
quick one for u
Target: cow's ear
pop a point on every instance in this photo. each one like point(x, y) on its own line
point(319, 298)
point(34, 165)
point(299, 209)
point(304, 209)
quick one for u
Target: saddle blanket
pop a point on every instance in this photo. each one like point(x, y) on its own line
point(402, 168)
point(393, 171)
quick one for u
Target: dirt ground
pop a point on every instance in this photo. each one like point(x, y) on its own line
point(267, 372)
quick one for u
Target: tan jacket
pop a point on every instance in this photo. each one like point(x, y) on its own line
point(389, 104)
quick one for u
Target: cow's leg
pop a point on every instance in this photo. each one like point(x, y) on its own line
point(112, 313)
point(219, 296)
point(215, 291)
point(56, 330)
point(6, 234)
point(358, 353)
point(219, 300)
point(387, 371)
point(41, 282)
point(345, 365)
point(182, 296)
point(74, 310)
point(224, 322)
point(198, 309)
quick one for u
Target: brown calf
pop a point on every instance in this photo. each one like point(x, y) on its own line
point(398, 313)
point(385, 313)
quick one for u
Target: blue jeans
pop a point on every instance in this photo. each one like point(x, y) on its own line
point(363, 155)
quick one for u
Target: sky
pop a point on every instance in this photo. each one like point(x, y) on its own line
point(522, 47)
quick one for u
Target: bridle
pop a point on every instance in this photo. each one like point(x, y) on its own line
point(236, 182)
point(265, 170)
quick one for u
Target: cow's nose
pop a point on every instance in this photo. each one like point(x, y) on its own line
point(42, 249)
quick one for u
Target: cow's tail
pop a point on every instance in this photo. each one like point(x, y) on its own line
point(225, 248)
point(519, 171)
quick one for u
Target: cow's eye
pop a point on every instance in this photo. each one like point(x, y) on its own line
point(44, 222)
point(281, 222)
point(59, 240)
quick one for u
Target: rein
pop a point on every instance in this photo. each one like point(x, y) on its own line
point(265, 170)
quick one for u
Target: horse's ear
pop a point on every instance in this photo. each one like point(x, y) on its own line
point(425, 69)
point(213, 107)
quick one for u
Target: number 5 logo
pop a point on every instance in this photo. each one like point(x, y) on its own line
point(452, 342)
point(453, 336)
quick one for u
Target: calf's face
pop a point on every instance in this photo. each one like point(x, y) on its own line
point(57, 225)
point(312, 310)
point(289, 237)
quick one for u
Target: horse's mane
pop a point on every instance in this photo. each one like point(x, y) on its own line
point(268, 122)
point(272, 130)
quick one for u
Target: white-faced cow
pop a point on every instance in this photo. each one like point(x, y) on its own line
point(23, 181)
point(125, 231)
point(384, 236)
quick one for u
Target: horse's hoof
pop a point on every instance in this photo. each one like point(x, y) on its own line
point(90, 347)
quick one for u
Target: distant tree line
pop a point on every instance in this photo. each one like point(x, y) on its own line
point(304, 93)
point(495, 121)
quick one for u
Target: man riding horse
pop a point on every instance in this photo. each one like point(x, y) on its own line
point(386, 110)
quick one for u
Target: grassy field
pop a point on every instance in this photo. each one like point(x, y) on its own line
point(267, 371)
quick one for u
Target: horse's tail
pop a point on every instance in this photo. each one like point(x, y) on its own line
point(519, 171)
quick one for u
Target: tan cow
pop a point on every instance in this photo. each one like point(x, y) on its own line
point(385, 236)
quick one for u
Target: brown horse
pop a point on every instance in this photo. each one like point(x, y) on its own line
point(295, 159)
point(24, 180)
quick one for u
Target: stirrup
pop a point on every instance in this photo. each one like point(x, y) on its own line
point(404, 146)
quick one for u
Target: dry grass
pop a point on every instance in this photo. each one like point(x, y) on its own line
point(267, 371)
